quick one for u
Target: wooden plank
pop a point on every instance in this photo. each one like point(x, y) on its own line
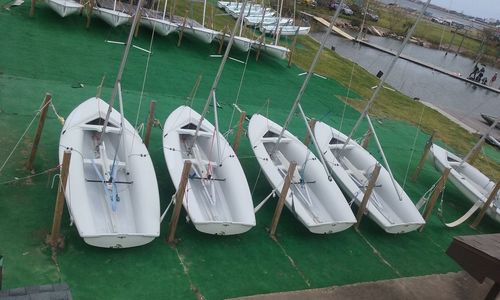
point(282, 198)
point(43, 114)
point(486, 205)
point(237, 138)
point(311, 124)
point(368, 193)
point(179, 196)
point(151, 117)
point(420, 165)
point(55, 239)
point(435, 194)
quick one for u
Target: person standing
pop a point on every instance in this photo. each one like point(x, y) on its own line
point(474, 73)
point(493, 79)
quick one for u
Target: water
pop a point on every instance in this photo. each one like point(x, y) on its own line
point(460, 99)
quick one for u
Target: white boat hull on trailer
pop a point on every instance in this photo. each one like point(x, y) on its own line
point(470, 181)
point(124, 210)
point(160, 26)
point(64, 7)
point(113, 17)
point(352, 169)
point(202, 34)
point(315, 200)
point(217, 198)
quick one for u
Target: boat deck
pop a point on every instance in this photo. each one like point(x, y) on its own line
point(51, 54)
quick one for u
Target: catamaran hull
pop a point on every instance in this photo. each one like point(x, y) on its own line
point(130, 219)
point(112, 17)
point(162, 27)
point(217, 197)
point(64, 7)
point(469, 180)
point(385, 207)
point(316, 201)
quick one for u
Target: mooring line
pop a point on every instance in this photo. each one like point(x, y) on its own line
point(378, 254)
point(185, 269)
point(294, 265)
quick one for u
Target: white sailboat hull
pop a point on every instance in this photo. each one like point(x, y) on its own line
point(241, 43)
point(257, 20)
point(286, 30)
point(316, 201)
point(470, 181)
point(112, 17)
point(64, 7)
point(160, 26)
point(352, 171)
point(202, 34)
point(217, 198)
point(272, 50)
point(130, 219)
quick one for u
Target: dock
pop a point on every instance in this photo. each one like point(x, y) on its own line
point(403, 56)
point(327, 24)
point(428, 65)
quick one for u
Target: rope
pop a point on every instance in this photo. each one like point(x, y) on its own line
point(144, 81)
point(413, 146)
point(30, 176)
point(21, 138)
point(61, 119)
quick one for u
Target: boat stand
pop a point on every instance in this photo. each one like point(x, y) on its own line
point(435, 194)
point(47, 101)
point(368, 193)
point(281, 200)
point(55, 240)
point(179, 197)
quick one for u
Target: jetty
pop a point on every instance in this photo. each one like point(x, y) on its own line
point(402, 56)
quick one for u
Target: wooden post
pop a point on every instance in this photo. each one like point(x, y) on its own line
point(292, 50)
point(435, 194)
point(221, 42)
point(311, 125)
point(38, 134)
point(136, 33)
point(179, 196)
point(1, 271)
point(282, 198)
point(486, 205)
point(366, 138)
point(368, 193)
point(90, 8)
point(182, 29)
point(262, 39)
point(236, 143)
point(32, 8)
point(54, 239)
point(151, 118)
point(420, 165)
point(475, 154)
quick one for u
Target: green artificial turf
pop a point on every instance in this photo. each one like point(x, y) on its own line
point(50, 54)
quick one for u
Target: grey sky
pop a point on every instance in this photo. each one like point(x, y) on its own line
point(476, 8)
